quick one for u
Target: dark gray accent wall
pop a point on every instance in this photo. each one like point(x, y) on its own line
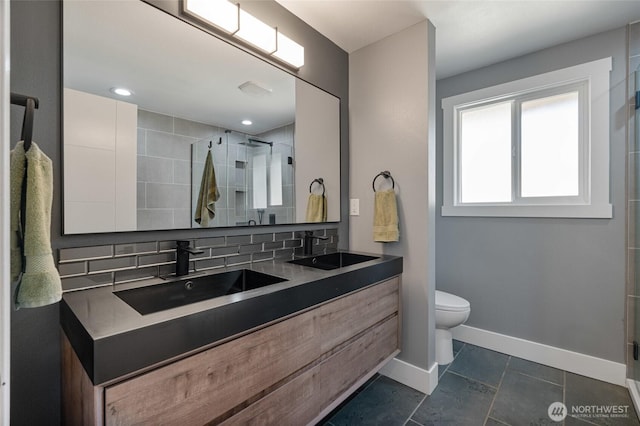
point(559, 282)
point(35, 70)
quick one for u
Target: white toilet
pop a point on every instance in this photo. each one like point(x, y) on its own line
point(451, 311)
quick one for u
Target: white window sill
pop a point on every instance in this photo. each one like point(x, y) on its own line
point(603, 211)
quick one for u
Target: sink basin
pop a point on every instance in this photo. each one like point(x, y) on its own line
point(332, 260)
point(155, 298)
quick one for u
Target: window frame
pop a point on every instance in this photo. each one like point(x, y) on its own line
point(591, 80)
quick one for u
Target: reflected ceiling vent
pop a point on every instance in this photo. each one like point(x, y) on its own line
point(255, 89)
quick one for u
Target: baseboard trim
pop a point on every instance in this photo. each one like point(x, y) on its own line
point(410, 375)
point(574, 362)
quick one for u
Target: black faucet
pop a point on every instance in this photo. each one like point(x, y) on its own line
point(182, 257)
point(308, 242)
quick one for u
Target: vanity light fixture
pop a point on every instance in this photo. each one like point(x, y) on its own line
point(220, 13)
point(289, 51)
point(121, 91)
point(254, 31)
point(247, 122)
point(230, 18)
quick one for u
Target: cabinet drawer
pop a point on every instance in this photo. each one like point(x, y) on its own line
point(301, 400)
point(202, 387)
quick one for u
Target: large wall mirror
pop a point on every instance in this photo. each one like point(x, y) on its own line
point(182, 142)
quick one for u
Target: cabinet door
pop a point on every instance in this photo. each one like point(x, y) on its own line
point(211, 384)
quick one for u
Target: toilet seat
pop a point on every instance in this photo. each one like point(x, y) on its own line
point(450, 302)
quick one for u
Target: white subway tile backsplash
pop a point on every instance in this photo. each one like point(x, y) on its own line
point(205, 264)
point(72, 269)
point(261, 238)
point(113, 264)
point(157, 259)
point(238, 260)
point(273, 246)
point(84, 253)
point(135, 274)
point(88, 267)
point(224, 251)
point(210, 242)
point(87, 281)
point(135, 248)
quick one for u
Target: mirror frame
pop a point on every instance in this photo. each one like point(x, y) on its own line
point(173, 9)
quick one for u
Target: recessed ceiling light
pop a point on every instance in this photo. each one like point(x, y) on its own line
point(247, 122)
point(121, 91)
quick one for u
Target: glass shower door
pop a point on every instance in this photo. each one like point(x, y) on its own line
point(634, 185)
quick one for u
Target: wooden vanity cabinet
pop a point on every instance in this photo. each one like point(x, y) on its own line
point(292, 372)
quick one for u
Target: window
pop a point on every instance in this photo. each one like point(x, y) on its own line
point(537, 147)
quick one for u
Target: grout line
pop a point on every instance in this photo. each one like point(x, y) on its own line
point(538, 378)
point(416, 409)
point(497, 421)
point(476, 380)
point(564, 399)
point(497, 390)
point(426, 396)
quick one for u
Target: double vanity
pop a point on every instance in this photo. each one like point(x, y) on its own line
point(268, 342)
point(272, 342)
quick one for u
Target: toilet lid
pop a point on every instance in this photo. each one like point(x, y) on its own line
point(450, 302)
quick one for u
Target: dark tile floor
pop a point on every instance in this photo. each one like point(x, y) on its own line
point(483, 387)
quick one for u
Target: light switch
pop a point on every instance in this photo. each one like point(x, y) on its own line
point(354, 207)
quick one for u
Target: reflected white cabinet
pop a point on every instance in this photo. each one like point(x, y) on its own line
point(100, 137)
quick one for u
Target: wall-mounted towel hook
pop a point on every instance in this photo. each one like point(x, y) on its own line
point(320, 182)
point(220, 140)
point(31, 104)
point(210, 144)
point(387, 175)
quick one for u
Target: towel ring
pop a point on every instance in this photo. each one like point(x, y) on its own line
point(387, 175)
point(320, 182)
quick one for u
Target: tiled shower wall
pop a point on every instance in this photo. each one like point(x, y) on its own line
point(165, 158)
point(233, 164)
point(94, 266)
point(164, 169)
point(283, 136)
point(633, 188)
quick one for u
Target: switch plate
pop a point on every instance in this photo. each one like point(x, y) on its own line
point(354, 207)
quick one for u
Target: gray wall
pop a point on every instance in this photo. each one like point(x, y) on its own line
point(35, 70)
point(389, 110)
point(559, 282)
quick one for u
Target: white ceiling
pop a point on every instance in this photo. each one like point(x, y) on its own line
point(469, 33)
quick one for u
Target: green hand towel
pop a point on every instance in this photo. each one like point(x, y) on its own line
point(209, 194)
point(316, 208)
point(40, 283)
point(385, 217)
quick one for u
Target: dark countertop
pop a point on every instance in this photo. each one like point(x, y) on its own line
point(113, 340)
